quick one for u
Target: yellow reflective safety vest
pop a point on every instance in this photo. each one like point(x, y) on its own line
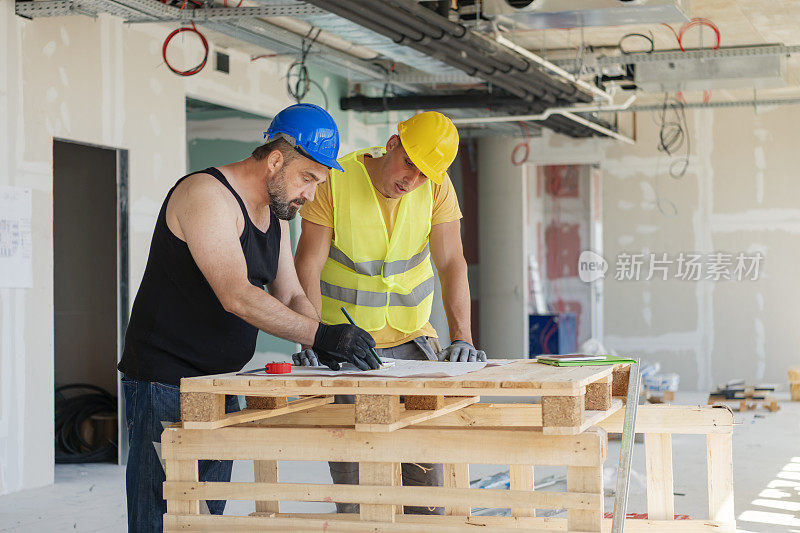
point(378, 279)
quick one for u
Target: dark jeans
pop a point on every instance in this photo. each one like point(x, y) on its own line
point(149, 408)
point(414, 474)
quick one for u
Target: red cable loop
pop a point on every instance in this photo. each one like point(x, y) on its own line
point(698, 22)
point(169, 38)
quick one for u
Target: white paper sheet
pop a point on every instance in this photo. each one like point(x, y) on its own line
point(16, 249)
point(400, 369)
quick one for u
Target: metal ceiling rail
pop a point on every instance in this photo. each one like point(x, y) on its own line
point(234, 13)
point(765, 102)
point(673, 55)
point(250, 29)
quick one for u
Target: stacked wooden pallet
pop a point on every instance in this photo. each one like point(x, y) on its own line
point(439, 421)
point(745, 397)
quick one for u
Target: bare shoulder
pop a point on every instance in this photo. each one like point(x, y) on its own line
point(199, 194)
point(203, 191)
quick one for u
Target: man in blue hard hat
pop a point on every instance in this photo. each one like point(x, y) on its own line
point(221, 238)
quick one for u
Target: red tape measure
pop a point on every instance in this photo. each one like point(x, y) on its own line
point(278, 368)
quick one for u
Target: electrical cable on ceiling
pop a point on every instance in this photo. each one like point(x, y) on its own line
point(673, 137)
point(298, 81)
point(185, 29)
point(674, 134)
point(650, 40)
point(523, 148)
point(71, 412)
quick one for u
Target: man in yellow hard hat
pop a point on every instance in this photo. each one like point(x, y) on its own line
point(367, 241)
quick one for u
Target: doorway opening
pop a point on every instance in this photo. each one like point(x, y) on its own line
point(90, 293)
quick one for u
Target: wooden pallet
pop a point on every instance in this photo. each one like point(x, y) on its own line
point(745, 404)
point(573, 398)
point(794, 383)
point(506, 433)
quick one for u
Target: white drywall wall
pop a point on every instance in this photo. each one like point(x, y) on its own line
point(502, 245)
point(740, 194)
point(103, 82)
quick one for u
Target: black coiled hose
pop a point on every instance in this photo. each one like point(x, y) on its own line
point(71, 411)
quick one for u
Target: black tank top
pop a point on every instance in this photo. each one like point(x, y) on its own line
point(178, 327)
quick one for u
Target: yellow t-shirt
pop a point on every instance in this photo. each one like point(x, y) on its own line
point(445, 209)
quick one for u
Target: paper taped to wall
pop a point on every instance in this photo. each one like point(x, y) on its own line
point(16, 249)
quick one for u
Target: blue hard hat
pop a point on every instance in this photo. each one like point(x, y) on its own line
point(311, 130)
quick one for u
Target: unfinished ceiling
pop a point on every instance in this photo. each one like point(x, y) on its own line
point(487, 59)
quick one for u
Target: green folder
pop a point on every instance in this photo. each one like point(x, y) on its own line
point(609, 360)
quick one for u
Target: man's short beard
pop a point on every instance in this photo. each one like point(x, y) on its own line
point(278, 201)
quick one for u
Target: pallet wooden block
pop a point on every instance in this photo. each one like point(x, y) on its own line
point(794, 383)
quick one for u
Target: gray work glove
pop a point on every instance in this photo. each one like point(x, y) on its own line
point(462, 352)
point(305, 358)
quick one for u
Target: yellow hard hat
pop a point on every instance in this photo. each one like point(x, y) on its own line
point(431, 142)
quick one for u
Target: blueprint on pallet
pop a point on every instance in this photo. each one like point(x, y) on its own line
point(399, 368)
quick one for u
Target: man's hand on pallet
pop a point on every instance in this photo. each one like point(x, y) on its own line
point(462, 352)
point(305, 358)
point(340, 343)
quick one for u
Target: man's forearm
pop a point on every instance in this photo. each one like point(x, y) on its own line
point(300, 303)
point(456, 299)
point(257, 307)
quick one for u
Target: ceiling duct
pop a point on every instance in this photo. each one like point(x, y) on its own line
point(546, 14)
point(408, 23)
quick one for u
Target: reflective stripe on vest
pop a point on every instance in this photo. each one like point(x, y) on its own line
point(378, 267)
point(378, 299)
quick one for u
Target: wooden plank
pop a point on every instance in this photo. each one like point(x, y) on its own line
point(518, 378)
point(562, 411)
point(250, 415)
point(598, 395)
point(672, 526)
point(683, 419)
point(433, 523)
point(374, 477)
point(408, 418)
point(335, 524)
point(178, 471)
point(658, 460)
point(266, 472)
point(383, 493)
point(590, 418)
point(521, 478)
point(720, 478)
point(457, 476)
point(585, 479)
point(202, 406)
point(376, 409)
point(424, 403)
point(411, 445)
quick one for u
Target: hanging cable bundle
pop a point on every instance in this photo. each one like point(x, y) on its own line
point(201, 65)
point(71, 412)
point(674, 134)
point(298, 81)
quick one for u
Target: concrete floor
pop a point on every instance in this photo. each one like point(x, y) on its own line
point(766, 471)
